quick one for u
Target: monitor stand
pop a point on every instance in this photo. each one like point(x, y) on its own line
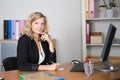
point(106, 66)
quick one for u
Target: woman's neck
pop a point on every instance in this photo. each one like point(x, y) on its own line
point(36, 37)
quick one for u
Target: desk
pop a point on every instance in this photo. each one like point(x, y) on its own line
point(97, 75)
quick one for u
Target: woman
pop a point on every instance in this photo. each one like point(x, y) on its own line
point(35, 49)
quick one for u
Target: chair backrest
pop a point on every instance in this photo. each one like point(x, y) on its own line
point(10, 63)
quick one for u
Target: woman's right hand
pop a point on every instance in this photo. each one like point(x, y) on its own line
point(53, 66)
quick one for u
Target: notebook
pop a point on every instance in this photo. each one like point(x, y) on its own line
point(39, 76)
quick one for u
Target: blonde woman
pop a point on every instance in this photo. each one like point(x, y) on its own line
point(35, 49)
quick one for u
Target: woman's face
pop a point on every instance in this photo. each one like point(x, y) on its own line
point(38, 26)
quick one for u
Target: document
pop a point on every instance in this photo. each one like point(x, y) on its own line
point(39, 76)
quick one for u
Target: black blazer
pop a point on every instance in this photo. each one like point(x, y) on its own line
point(28, 55)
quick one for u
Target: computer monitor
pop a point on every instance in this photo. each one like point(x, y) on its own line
point(106, 65)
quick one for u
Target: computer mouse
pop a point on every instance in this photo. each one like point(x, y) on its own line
point(75, 62)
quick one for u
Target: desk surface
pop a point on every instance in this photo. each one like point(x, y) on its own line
point(97, 75)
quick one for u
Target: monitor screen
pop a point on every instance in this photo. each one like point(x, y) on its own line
point(106, 64)
point(108, 42)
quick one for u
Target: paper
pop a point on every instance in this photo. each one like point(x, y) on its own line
point(39, 76)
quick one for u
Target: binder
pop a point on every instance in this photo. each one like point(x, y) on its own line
point(9, 29)
point(13, 29)
point(17, 29)
point(87, 9)
point(5, 29)
point(88, 28)
point(21, 25)
point(92, 8)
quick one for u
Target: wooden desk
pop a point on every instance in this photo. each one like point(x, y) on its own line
point(97, 75)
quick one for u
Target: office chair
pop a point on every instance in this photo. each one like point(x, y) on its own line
point(10, 63)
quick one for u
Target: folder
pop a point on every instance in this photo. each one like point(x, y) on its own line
point(92, 8)
point(9, 29)
point(88, 29)
point(17, 29)
point(21, 25)
point(13, 29)
point(87, 9)
point(39, 76)
point(5, 29)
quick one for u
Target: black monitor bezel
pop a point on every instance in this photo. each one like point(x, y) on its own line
point(108, 43)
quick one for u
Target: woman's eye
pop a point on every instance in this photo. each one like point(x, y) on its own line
point(36, 22)
point(43, 23)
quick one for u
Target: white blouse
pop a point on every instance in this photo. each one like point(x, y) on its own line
point(41, 55)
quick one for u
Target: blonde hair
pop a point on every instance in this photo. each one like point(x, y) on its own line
point(34, 16)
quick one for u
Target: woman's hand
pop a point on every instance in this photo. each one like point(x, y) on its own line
point(46, 37)
point(53, 66)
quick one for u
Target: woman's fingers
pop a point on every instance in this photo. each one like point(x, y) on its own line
point(54, 66)
point(44, 36)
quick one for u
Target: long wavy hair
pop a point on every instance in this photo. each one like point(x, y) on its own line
point(34, 16)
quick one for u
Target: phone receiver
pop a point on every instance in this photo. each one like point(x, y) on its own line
point(75, 62)
point(77, 66)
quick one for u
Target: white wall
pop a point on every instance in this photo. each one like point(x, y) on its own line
point(64, 18)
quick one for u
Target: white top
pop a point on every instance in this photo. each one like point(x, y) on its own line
point(41, 55)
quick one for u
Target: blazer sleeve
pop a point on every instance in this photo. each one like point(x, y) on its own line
point(50, 56)
point(22, 54)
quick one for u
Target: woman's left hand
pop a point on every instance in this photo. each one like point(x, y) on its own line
point(45, 37)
